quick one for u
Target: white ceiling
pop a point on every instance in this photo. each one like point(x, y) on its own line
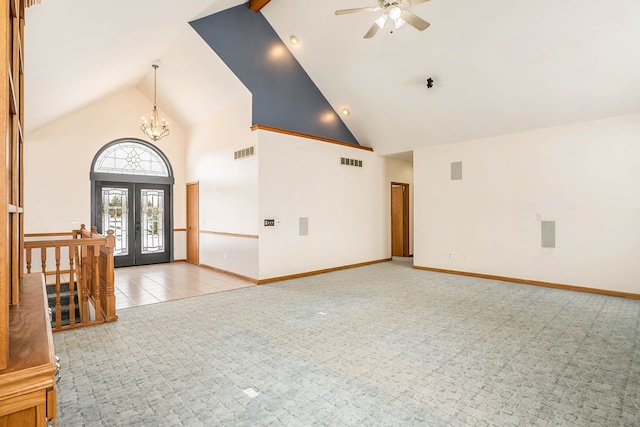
point(499, 66)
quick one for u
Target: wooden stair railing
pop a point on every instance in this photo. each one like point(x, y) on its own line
point(90, 272)
point(97, 262)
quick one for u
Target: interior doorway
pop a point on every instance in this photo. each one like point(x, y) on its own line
point(193, 223)
point(400, 219)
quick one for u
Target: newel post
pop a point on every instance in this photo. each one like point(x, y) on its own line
point(110, 309)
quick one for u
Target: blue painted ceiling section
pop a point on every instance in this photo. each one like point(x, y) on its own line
point(284, 96)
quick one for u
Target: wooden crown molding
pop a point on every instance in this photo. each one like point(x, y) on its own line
point(307, 136)
point(257, 5)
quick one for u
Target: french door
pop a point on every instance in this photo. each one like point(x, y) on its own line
point(139, 214)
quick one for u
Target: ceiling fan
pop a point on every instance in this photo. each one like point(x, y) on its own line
point(396, 10)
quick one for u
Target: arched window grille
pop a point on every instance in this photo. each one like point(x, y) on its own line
point(131, 158)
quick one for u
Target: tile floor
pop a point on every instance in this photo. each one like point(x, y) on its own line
point(149, 284)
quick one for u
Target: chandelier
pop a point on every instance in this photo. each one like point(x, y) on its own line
point(154, 128)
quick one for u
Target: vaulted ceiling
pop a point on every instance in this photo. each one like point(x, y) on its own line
point(499, 66)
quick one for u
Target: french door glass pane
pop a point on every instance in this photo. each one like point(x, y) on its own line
point(152, 221)
point(115, 214)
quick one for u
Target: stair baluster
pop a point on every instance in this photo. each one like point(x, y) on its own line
point(28, 260)
point(43, 260)
point(72, 290)
point(58, 305)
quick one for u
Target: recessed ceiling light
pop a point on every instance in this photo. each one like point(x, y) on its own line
point(294, 39)
point(345, 112)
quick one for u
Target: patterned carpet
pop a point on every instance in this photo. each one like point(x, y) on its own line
point(378, 345)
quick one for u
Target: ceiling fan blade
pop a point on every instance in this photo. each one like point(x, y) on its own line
point(412, 2)
point(359, 9)
point(415, 21)
point(372, 31)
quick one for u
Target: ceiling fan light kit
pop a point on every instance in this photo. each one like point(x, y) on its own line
point(396, 10)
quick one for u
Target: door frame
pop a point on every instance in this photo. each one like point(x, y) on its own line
point(98, 177)
point(134, 234)
point(406, 247)
point(196, 222)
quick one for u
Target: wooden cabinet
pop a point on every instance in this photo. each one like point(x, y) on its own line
point(27, 359)
point(11, 174)
point(27, 387)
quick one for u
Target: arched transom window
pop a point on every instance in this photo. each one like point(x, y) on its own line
point(131, 158)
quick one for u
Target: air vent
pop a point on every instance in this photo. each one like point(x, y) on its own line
point(456, 171)
point(350, 162)
point(241, 154)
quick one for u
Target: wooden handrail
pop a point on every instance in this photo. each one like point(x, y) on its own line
point(92, 241)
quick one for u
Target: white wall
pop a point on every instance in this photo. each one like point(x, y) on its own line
point(58, 160)
point(348, 207)
point(583, 176)
point(228, 189)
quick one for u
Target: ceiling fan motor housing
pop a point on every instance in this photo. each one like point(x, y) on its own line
point(387, 3)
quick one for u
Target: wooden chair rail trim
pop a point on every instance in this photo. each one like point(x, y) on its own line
point(534, 283)
point(326, 270)
point(34, 235)
point(179, 229)
point(220, 233)
point(307, 136)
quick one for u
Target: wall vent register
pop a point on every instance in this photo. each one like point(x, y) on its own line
point(350, 162)
point(245, 152)
point(456, 171)
point(548, 229)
